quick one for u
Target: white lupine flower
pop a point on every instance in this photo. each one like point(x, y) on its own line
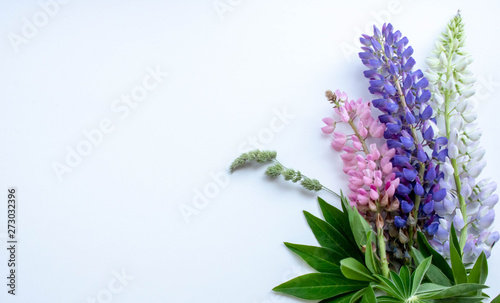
point(468, 80)
point(456, 125)
point(470, 117)
point(453, 150)
point(443, 60)
point(460, 107)
point(491, 201)
point(492, 238)
point(475, 135)
point(477, 169)
point(487, 190)
point(473, 207)
point(462, 148)
point(432, 62)
point(460, 66)
point(469, 93)
point(458, 220)
point(466, 190)
point(478, 153)
point(453, 78)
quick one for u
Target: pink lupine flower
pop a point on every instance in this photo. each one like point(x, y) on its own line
point(339, 141)
point(330, 125)
point(371, 178)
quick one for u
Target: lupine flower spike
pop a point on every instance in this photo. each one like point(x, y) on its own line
point(469, 202)
point(410, 128)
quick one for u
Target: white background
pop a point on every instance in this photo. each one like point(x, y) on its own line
point(229, 72)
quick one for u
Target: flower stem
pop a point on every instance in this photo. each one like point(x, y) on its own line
point(304, 176)
point(383, 254)
point(361, 139)
point(456, 177)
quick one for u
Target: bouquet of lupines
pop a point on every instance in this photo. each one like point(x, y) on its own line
point(416, 223)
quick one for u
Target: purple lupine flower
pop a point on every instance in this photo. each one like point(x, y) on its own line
point(402, 97)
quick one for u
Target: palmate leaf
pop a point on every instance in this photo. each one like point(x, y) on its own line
point(319, 286)
point(434, 274)
point(437, 259)
point(321, 259)
point(329, 237)
point(418, 275)
point(392, 289)
point(337, 243)
point(398, 282)
point(404, 273)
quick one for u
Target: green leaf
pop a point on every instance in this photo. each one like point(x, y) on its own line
point(389, 287)
point(404, 273)
point(319, 286)
point(346, 298)
point(454, 239)
point(437, 259)
point(457, 265)
point(331, 238)
point(357, 296)
point(479, 272)
point(387, 299)
point(370, 261)
point(455, 290)
point(418, 275)
point(355, 270)
point(434, 274)
point(320, 258)
point(496, 300)
point(369, 296)
point(336, 218)
point(460, 300)
point(396, 279)
point(430, 287)
point(359, 227)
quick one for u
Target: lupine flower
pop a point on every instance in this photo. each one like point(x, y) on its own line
point(371, 179)
point(467, 203)
point(410, 128)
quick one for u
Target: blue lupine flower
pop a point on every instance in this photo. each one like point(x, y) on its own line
point(402, 96)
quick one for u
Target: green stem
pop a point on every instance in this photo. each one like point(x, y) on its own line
point(304, 176)
point(456, 176)
point(361, 139)
point(383, 254)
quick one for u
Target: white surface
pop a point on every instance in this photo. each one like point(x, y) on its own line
point(119, 208)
